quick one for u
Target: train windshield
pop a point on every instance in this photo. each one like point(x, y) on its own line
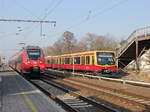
point(105, 58)
point(34, 54)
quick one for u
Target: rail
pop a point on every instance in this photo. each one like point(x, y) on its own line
point(135, 83)
point(78, 95)
point(75, 94)
point(116, 93)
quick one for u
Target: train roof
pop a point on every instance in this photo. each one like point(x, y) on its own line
point(79, 53)
point(32, 47)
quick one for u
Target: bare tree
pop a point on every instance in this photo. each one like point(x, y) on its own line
point(69, 42)
point(65, 44)
point(96, 42)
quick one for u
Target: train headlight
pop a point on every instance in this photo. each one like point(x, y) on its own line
point(40, 62)
point(28, 62)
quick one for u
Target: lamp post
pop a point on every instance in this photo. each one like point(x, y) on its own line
point(73, 65)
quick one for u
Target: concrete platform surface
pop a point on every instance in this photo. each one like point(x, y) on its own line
point(18, 95)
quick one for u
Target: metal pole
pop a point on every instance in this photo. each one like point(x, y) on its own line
point(137, 64)
point(41, 29)
point(73, 65)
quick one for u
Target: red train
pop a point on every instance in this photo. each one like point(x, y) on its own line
point(92, 61)
point(29, 61)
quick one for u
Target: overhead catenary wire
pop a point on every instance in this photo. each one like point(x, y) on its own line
point(28, 11)
point(31, 13)
point(49, 5)
point(98, 13)
point(34, 15)
point(43, 18)
point(46, 9)
point(24, 8)
point(92, 15)
point(50, 11)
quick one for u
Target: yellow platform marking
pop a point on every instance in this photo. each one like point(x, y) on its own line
point(27, 92)
point(27, 99)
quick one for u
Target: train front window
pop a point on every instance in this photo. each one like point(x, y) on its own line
point(104, 58)
point(34, 55)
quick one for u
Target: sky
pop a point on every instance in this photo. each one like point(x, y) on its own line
point(118, 18)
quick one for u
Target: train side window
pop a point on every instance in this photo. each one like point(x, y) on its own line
point(92, 60)
point(83, 60)
point(60, 61)
point(20, 58)
point(63, 60)
point(48, 61)
point(55, 61)
point(77, 60)
point(66, 60)
point(87, 60)
point(71, 61)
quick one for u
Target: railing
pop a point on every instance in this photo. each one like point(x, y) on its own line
point(137, 33)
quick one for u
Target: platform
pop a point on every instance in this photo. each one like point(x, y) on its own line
point(18, 95)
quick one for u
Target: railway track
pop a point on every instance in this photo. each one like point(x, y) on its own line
point(64, 74)
point(125, 96)
point(70, 100)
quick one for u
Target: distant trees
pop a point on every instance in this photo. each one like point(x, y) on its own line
point(96, 42)
point(67, 43)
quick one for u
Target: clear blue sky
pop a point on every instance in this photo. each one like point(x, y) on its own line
point(118, 18)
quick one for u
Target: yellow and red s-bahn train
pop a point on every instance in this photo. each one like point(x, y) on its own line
point(91, 61)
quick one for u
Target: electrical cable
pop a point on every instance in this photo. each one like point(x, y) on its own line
point(27, 10)
point(95, 15)
point(50, 11)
